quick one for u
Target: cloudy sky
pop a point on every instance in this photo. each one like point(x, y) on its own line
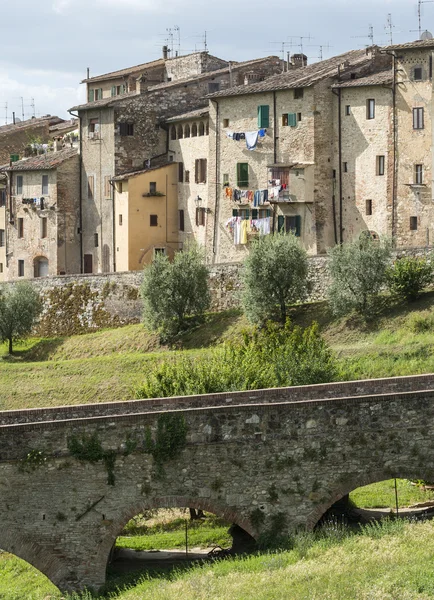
point(47, 45)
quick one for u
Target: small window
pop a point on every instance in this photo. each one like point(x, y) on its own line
point(200, 166)
point(200, 216)
point(126, 128)
point(2, 197)
point(418, 118)
point(20, 268)
point(181, 172)
point(152, 187)
point(90, 187)
point(187, 131)
point(120, 220)
point(345, 167)
point(1, 267)
point(213, 86)
point(418, 174)
point(95, 240)
point(44, 227)
point(98, 93)
point(181, 220)
point(173, 132)
point(19, 185)
point(225, 178)
point(20, 228)
point(285, 120)
point(413, 223)
point(417, 74)
point(207, 128)
point(334, 173)
point(370, 109)
point(44, 190)
point(243, 174)
point(380, 165)
point(369, 207)
point(180, 132)
point(347, 110)
point(94, 129)
point(161, 251)
point(263, 116)
point(194, 130)
point(153, 220)
point(201, 129)
point(225, 122)
point(298, 93)
point(2, 238)
point(299, 117)
point(187, 176)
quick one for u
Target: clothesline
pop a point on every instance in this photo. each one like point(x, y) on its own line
point(240, 228)
point(251, 137)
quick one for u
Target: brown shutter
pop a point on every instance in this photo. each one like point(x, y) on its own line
point(196, 170)
point(204, 169)
point(180, 172)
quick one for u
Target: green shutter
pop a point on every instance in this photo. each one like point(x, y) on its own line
point(114, 90)
point(268, 213)
point(91, 95)
point(292, 119)
point(298, 225)
point(242, 174)
point(254, 213)
point(123, 88)
point(235, 212)
point(263, 116)
point(280, 223)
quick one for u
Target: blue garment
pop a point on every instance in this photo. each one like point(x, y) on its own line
point(256, 198)
point(262, 132)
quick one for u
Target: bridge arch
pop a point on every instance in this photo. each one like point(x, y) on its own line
point(345, 485)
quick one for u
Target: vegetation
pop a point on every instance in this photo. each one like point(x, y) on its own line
point(20, 305)
point(274, 277)
point(382, 494)
point(173, 292)
point(409, 276)
point(358, 272)
point(265, 358)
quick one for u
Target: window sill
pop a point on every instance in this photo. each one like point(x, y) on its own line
point(156, 195)
point(416, 185)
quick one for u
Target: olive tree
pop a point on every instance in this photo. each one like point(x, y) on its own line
point(274, 277)
point(358, 272)
point(174, 291)
point(20, 305)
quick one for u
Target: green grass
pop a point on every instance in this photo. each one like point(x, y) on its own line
point(382, 495)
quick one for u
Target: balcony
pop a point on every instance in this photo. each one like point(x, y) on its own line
point(290, 184)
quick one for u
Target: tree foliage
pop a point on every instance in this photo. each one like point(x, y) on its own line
point(274, 277)
point(272, 356)
point(409, 276)
point(20, 305)
point(358, 273)
point(173, 292)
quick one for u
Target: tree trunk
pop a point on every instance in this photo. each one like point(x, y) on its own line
point(10, 345)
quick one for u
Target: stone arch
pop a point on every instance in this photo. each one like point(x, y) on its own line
point(201, 128)
point(187, 131)
point(346, 485)
point(40, 266)
point(173, 132)
point(194, 130)
point(180, 132)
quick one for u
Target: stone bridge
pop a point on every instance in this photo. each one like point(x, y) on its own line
point(71, 477)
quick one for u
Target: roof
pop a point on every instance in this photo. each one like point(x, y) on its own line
point(65, 126)
point(51, 160)
point(141, 171)
point(192, 114)
point(301, 76)
point(52, 120)
point(382, 78)
point(125, 72)
point(410, 45)
point(105, 102)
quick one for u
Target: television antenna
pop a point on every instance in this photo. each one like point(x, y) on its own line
point(370, 34)
point(283, 46)
point(321, 49)
point(390, 27)
point(419, 15)
point(301, 38)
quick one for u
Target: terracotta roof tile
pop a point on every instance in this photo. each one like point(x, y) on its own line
point(43, 162)
point(125, 72)
point(192, 114)
point(382, 78)
point(410, 45)
point(139, 172)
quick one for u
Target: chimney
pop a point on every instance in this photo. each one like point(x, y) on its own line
point(88, 73)
point(165, 52)
point(299, 60)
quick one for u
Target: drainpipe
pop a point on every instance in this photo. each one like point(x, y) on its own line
point(338, 94)
point(80, 218)
point(217, 190)
point(114, 224)
point(395, 144)
point(275, 128)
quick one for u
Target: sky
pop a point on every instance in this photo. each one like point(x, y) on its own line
point(47, 45)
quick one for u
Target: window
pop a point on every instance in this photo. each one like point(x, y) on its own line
point(194, 130)
point(44, 185)
point(90, 187)
point(152, 187)
point(345, 167)
point(369, 207)
point(126, 128)
point(180, 132)
point(290, 119)
point(207, 128)
point(2, 198)
point(107, 187)
point(20, 268)
point(226, 122)
point(181, 220)
point(418, 174)
point(347, 110)
point(1, 267)
point(187, 132)
point(225, 178)
point(153, 221)
point(98, 94)
point(20, 228)
point(418, 120)
point(298, 93)
point(120, 220)
point(187, 177)
point(88, 263)
point(159, 251)
point(200, 168)
point(263, 116)
point(200, 216)
point(19, 185)
point(242, 174)
point(2, 237)
point(93, 129)
point(44, 227)
point(173, 132)
point(417, 73)
point(181, 172)
point(413, 223)
point(285, 120)
point(298, 117)
point(201, 129)
point(370, 109)
point(289, 224)
point(95, 240)
point(380, 165)
point(118, 90)
point(213, 86)
point(334, 173)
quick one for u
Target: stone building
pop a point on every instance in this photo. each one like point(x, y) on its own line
point(122, 129)
point(40, 216)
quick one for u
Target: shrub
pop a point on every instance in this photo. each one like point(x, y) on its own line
point(358, 273)
point(274, 277)
point(409, 276)
point(267, 358)
point(20, 305)
point(173, 292)
point(420, 322)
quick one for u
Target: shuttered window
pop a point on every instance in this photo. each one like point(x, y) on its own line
point(200, 216)
point(418, 120)
point(44, 185)
point(181, 220)
point(289, 224)
point(263, 115)
point(91, 95)
point(126, 128)
point(200, 168)
point(292, 119)
point(181, 172)
point(19, 185)
point(242, 174)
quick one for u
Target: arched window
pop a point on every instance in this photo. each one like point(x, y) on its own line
point(180, 132)
point(201, 128)
point(194, 130)
point(40, 266)
point(173, 132)
point(207, 128)
point(187, 131)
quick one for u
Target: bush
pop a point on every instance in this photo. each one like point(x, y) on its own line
point(420, 322)
point(173, 292)
point(358, 273)
point(274, 277)
point(20, 305)
point(272, 357)
point(409, 276)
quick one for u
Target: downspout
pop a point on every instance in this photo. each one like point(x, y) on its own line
point(80, 218)
point(275, 138)
point(217, 191)
point(341, 239)
point(334, 179)
point(395, 144)
point(114, 224)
